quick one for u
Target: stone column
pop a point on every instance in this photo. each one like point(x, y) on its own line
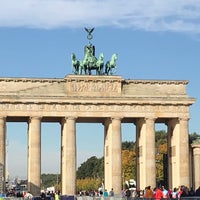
point(2, 154)
point(34, 155)
point(116, 156)
point(68, 157)
point(146, 156)
point(184, 152)
point(112, 155)
point(196, 164)
point(138, 125)
point(170, 127)
point(179, 153)
point(107, 154)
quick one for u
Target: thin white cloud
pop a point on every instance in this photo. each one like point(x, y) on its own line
point(149, 15)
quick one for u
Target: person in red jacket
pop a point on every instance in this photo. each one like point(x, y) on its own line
point(159, 193)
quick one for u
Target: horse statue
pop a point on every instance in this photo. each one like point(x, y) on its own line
point(110, 65)
point(100, 64)
point(89, 61)
point(75, 64)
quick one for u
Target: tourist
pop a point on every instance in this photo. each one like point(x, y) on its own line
point(128, 194)
point(198, 192)
point(105, 194)
point(148, 192)
point(191, 192)
point(165, 193)
point(111, 193)
point(57, 195)
point(159, 193)
point(175, 193)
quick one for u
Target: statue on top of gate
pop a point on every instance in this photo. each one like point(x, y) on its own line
point(90, 62)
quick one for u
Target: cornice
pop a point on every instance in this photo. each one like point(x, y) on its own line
point(32, 80)
point(93, 78)
point(168, 82)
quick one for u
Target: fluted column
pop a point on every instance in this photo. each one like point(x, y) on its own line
point(116, 156)
point(184, 164)
point(34, 155)
point(68, 157)
point(196, 164)
point(150, 152)
point(146, 153)
point(112, 155)
point(138, 148)
point(107, 154)
point(170, 129)
point(2, 153)
point(179, 152)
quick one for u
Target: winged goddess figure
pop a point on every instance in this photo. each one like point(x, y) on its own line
point(89, 31)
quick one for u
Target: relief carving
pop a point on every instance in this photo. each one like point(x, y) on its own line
point(94, 87)
point(136, 109)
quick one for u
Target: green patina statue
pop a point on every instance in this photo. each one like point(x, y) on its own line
point(110, 65)
point(90, 62)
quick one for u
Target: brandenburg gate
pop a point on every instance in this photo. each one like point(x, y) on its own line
point(107, 99)
point(103, 98)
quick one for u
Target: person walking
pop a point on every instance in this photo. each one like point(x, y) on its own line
point(105, 194)
point(111, 193)
point(148, 192)
point(159, 193)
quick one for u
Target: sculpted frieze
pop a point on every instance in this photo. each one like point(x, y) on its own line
point(94, 87)
point(123, 108)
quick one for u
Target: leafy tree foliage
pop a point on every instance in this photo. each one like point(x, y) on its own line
point(162, 150)
point(193, 136)
point(128, 165)
point(88, 184)
point(128, 145)
point(92, 168)
point(161, 137)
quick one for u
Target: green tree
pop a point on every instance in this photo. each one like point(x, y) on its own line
point(128, 145)
point(128, 165)
point(160, 137)
point(92, 168)
point(88, 184)
point(193, 136)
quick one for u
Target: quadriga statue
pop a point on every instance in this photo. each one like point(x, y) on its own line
point(111, 65)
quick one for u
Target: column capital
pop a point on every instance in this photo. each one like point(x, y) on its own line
point(2, 120)
point(64, 119)
point(35, 117)
point(152, 118)
point(195, 145)
point(117, 118)
point(110, 119)
point(107, 121)
point(183, 118)
point(70, 118)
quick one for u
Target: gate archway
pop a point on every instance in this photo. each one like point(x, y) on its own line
point(110, 100)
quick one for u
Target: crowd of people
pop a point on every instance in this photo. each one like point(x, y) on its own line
point(162, 193)
point(157, 193)
point(50, 195)
point(97, 193)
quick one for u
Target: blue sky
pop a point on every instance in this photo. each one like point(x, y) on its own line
point(154, 39)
